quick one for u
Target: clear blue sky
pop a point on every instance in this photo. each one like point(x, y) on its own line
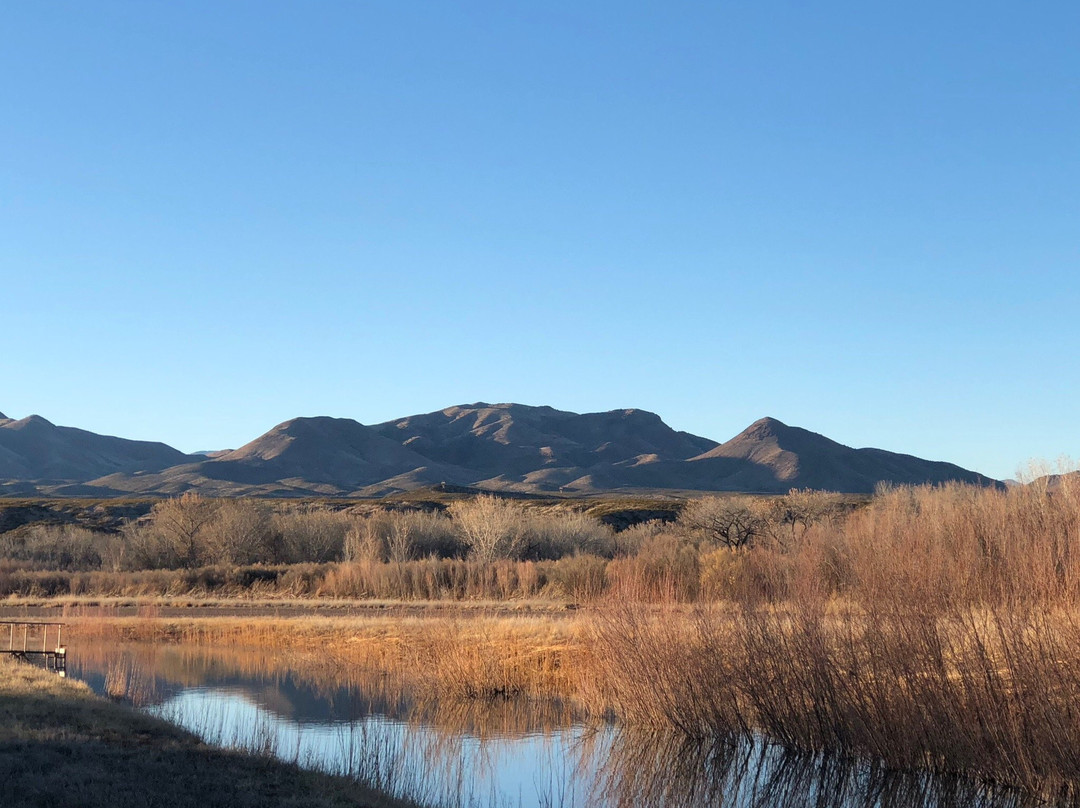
point(860, 218)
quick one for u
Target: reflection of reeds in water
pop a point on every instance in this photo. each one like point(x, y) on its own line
point(599, 769)
point(146, 672)
point(502, 718)
point(128, 677)
point(411, 763)
point(670, 771)
point(479, 657)
point(988, 692)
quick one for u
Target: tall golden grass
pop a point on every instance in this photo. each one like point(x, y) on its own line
point(454, 657)
point(934, 629)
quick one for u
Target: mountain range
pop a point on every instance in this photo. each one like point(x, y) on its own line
point(496, 447)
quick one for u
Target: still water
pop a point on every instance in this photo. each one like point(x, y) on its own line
point(507, 753)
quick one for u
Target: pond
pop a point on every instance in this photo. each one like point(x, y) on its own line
point(512, 752)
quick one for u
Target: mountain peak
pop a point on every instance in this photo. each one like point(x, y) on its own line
point(4, 417)
point(316, 421)
point(337, 454)
point(768, 425)
point(764, 429)
point(33, 421)
point(35, 449)
point(323, 430)
point(769, 420)
point(770, 456)
point(644, 415)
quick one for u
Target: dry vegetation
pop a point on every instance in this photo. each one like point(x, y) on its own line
point(457, 657)
point(929, 628)
point(482, 548)
point(933, 629)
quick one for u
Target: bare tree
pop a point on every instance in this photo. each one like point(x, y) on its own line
point(240, 533)
point(312, 534)
point(556, 533)
point(399, 542)
point(180, 525)
point(490, 527)
point(804, 507)
point(733, 522)
point(364, 540)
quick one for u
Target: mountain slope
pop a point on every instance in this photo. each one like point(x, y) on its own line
point(772, 456)
point(504, 447)
point(336, 451)
point(320, 456)
point(35, 449)
point(513, 445)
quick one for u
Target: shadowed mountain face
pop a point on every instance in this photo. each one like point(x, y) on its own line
point(514, 444)
point(305, 456)
point(772, 456)
point(34, 449)
point(334, 451)
point(507, 447)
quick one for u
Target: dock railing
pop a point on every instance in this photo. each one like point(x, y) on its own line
point(27, 638)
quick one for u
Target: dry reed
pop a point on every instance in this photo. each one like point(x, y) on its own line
point(935, 629)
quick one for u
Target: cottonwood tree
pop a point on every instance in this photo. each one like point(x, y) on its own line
point(312, 534)
point(399, 540)
point(490, 527)
point(733, 522)
point(240, 533)
point(179, 525)
point(364, 541)
point(804, 507)
point(402, 536)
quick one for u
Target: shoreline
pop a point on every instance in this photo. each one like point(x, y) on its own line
point(62, 744)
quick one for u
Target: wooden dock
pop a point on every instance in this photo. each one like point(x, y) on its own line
point(28, 639)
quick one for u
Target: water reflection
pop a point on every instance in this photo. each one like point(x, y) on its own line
point(509, 752)
point(667, 772)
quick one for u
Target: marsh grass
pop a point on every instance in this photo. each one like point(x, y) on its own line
point(451, 657)
point(934, 630)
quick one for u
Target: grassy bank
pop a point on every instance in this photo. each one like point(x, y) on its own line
point(60, 744)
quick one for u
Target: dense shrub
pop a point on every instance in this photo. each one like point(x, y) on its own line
point(58, 547)
point(950, 544)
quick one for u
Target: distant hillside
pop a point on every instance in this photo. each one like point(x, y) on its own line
point(304, 456)
point(772, 456)
point(498, 447)
point(35, 449)
point(1056, 482)
point(517, 447)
